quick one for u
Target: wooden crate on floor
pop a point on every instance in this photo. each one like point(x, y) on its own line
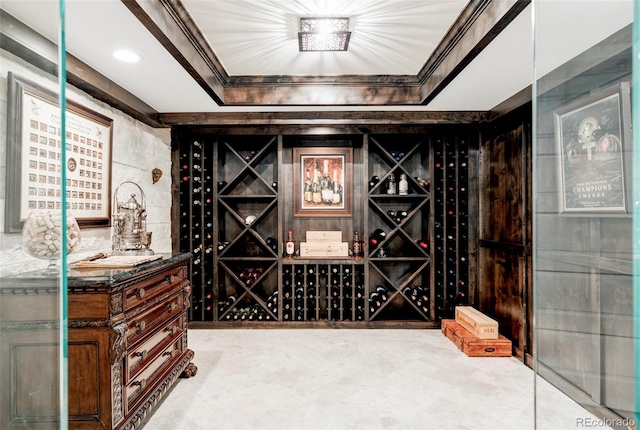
point(473, 346)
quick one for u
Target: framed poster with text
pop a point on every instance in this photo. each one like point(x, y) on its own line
point(592, 136)
point(34, 158)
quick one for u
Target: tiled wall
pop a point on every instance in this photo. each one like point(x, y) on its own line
point(137, 149)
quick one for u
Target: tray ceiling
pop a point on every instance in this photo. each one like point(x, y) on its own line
point(241, 56)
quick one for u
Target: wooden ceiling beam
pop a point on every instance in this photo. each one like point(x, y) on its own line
point(477, 26)
point(324, 118)
point(171, 25)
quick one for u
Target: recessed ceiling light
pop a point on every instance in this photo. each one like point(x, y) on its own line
point(127, 56)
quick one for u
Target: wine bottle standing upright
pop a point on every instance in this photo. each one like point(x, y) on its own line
point(290, 246)
point(403, 185)
point(316, 192)
point(337, 189)
point(391, 184)
point(326, 188)
point(308, 192)
point(357, 246)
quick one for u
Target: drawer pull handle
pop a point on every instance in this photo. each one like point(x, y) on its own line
point(142, 354)
point(171, 306)
point(140, 326)
point(140, 292)
point(171, 330)
point(142, 383)
point(171, 353)
point(171, 278)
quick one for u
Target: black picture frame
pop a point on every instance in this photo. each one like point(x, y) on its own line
point(34, 148)
point(593, 137)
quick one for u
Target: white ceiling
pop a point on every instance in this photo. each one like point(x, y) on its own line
point(258, 37)
point(261, 37)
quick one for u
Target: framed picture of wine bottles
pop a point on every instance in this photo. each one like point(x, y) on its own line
point(322, 182)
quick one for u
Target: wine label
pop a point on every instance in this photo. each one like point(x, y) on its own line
point(403, 188)
point(290, 248)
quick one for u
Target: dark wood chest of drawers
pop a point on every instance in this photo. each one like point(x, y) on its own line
point(127, 343)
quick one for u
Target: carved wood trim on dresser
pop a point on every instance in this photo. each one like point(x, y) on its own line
point(127, 341)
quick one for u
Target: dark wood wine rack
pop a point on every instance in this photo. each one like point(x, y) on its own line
point(233, 218)
point(398, 263)
point(323, 290)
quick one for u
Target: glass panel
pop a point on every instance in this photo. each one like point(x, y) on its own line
point(636, 205)
point(33, 241)
point(584, 247)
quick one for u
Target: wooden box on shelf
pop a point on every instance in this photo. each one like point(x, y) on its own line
point(473, 346)
point(324, 249)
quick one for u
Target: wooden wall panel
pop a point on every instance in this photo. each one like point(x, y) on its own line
point(504, 227)
point(502, 293)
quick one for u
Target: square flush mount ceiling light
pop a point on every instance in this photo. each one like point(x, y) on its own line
point(323, 34)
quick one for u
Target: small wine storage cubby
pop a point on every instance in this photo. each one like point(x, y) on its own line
point(330, 291)
point(410, 210)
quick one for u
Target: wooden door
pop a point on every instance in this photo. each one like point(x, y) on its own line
point(504, 231)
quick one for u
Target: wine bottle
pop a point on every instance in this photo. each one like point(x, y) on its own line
point(403, 185)
point(377, 237)
point(357, 245)
point(373, 182)
point(382, 292)
point(422, 244)
point(372, 307)
point(308, 193)
point(337, 188)
point(316, 192)
point(391, 184)
point(325, 185)
point(376, 299)
point(290, 246)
